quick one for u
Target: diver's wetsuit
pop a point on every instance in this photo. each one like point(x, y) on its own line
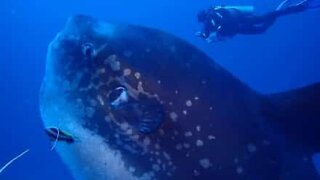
point(231, 21)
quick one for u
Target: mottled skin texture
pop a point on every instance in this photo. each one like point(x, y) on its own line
point(202, 123)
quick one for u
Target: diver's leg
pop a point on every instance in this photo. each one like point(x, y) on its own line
point(265, 20)
point(259, 29)
point(309, 4)
point(292, 9)
point(257, 24)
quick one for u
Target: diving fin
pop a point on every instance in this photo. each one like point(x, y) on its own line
point(309, 4)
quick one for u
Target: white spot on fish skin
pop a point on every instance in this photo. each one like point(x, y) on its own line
point(210, 108)
point(112, 61)
point(211, 137)
point(196, 98)
point(127, 53)
point(188, 134)
point(173, 116)
point(163, 166)
point(140, 88)
point(178, 146)
point(159, 82)
point(119, 142)
point(132, 169)
point(203, 81)
point(135, 137)
point(124, 126)
point(186, 145)
point(198, 128)
point(157, 146)
point(199, 143)
point(161, 131)
point(188, 103)
point(236, 160)
point(93, 102)
point(205, 163)
point(184, 112)
point(156, 167)
point(167, 156)
point(107, 119)
point(116, 136)
point(100, 100)
point(129, 131)
point(176, 91)
point(266, 142)
point(101, 71)
point(252, 148)
point(127, 72)
point(137, 75)
point(90, 111)
point(146, 141)
point(196, 173)
point(239, 170)
point(170, 103)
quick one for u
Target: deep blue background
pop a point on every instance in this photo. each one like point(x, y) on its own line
point(285, 57)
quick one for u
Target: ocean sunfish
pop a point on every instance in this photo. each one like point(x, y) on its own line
point(145, 104)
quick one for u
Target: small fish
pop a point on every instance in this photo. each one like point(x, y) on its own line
point(57, 134)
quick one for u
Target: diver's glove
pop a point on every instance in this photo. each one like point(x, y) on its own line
point(200, 34)
point(212, 38)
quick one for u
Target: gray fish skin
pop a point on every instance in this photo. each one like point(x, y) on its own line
point(144, 104)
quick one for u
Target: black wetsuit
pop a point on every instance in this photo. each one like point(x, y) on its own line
point(232, 21)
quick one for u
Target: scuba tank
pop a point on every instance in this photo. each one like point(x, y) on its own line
point(246, 10)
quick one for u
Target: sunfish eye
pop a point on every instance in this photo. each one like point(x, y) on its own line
point(118, 96)
point(88, 50)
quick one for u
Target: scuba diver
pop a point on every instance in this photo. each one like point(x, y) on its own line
point(222, 22)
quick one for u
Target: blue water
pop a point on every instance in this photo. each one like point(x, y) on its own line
point(285, 57)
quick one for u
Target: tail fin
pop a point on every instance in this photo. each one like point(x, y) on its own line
point(297, 113)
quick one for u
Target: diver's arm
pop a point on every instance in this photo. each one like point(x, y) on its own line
point(215, 36)
point(206, 30)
